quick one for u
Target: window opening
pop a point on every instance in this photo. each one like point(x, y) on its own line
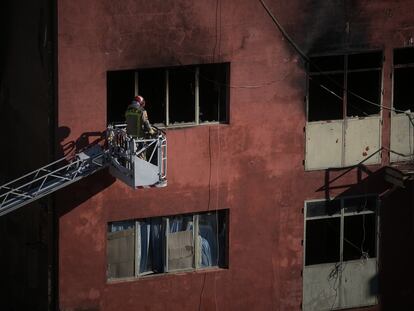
point(120, 91)
point(357, 205)
point(365, 84)
point(213, 81)
point(166, 244)
point(186, 95)
point(330, 76)
point(120, 249)
point(322, 241)
point(404, 56)
point(181, 95)
point(149, 244)
point(325, 97)
point(212, 240)
point(323, 208)
point(349, 229)
point(371, 60)
point(403, 77)
point(180, 243)
point(151, 86)
point(359, 237)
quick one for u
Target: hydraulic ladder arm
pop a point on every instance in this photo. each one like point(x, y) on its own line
point(136, 162)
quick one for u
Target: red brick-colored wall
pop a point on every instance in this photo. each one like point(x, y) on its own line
point(252, 166)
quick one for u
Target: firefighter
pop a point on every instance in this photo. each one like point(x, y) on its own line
point(137, 121)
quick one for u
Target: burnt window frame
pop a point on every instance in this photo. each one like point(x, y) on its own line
point(222, 255)
point(166, 109)
point(404, 65)
point(342, 214)
point(313, 70)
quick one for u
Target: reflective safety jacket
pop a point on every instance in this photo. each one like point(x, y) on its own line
point(137, 121)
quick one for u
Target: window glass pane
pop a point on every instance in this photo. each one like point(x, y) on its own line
point(120, 249)
point(325, 97)
point(212, 239)
point(322, 241)
point(403, 89)
point(182, 94)
point(356, 205)
point(365, 60)
point(364, 85)
point(213, 92)
point(138, 248)
point(151, 240)
point(120, 92)
point(323, 208)
point(404, 56)
point(152, 86)
point(180, 243)
point(359, 237)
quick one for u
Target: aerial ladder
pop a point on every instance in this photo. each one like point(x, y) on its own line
point(136, 162)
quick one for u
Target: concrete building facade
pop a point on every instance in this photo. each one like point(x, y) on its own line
point(292, 158)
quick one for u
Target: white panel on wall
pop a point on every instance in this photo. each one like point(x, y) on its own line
point(362, 139)
point(324, 145)
point(329, 286)
point(402, 137)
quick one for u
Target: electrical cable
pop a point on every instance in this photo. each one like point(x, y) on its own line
point(364, 254)
point(219, 41)
point(218, 187)
point(231, 86)
point(336, 275)
point(216, 29)
point(306, 58)
point(339, 97)
point(284, 32)
point(217, 201)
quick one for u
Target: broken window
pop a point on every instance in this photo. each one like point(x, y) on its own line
point(166, 244)
point(340, 230)
point(403, 98)
point(151, 85)
point(330, 76)
point(213, 81)
point(322, 244)
point(340, 251)
point(120, 92)
point(181, 95)
point(174, 96)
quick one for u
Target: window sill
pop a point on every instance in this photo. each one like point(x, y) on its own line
point(373, 116)
point(167, 274)
point(329, 264)
point(187, 125)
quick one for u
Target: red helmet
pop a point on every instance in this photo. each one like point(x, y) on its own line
point(140, 100)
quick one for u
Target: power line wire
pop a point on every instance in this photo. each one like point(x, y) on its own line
point(284, 32)
point(306, 58)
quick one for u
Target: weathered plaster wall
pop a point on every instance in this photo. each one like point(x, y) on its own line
point(253, 166)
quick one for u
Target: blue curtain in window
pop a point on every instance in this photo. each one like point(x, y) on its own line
point(151, 244)
point(208, 243)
